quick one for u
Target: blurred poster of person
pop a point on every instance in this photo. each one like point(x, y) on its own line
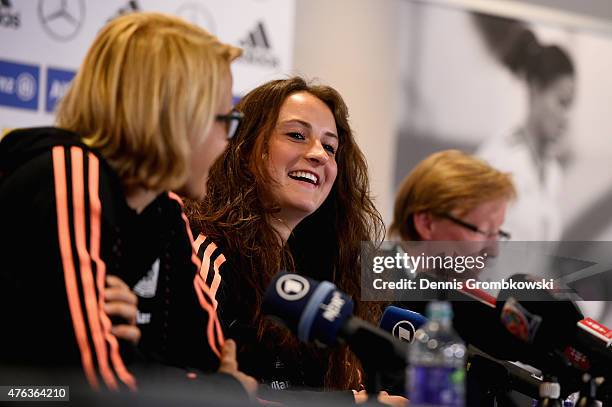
point(459, 89)
point(531, 152)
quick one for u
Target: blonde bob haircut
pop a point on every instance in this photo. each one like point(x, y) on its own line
point(446, 182)
point(145, 94)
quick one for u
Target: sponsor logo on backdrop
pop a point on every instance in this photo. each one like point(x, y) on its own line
point(197, 14)
point(130, 7)
point(257, 48)
point(61, 19)
point(19, 85)
point(9, 18)
point(58, 81)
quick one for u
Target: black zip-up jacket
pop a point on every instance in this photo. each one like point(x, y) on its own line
point(65, 226)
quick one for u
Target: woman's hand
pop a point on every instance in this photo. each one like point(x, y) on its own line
point(229, 365)
point(383, 398)
point(120, 301)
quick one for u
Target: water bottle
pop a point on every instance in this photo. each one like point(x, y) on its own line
point(550, 390)
point(588, 392)
point(436, 372)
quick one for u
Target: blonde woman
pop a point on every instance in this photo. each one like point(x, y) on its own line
point(147, 113)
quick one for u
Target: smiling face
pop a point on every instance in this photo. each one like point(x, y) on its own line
point(301, 156)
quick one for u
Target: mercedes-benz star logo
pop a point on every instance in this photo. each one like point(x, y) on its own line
point(198, 15)
point(61, 19)
point(292, 287)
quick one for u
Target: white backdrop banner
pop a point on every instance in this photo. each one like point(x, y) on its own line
point(42, 44)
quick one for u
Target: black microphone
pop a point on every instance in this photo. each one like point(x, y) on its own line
point(501, 376)
point(556, 327)
point(477, 321)
point(498, 376)
point(320, 312)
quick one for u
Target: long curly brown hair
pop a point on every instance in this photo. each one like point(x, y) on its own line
point(325, 245)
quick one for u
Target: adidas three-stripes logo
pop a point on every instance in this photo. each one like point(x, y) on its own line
point(258, 48)
point(256, 38)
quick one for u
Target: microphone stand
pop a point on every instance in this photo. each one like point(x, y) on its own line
point(378, 351)
point(498, 378)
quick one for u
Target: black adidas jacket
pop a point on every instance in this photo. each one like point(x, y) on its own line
point(65, 225)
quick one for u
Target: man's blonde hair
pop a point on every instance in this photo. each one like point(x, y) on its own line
point(444, 182)
point(146, 92)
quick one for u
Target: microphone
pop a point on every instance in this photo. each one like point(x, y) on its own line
point(557, 327)
point(477, 321)
point(320, 312)
point(313, 311)
point(401, 323)
point(500, 376)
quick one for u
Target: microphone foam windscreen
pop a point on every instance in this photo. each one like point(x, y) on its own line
point(401, 323)
point(312, 310)
point(286, 298)
point(538, 316)
point(324, 316)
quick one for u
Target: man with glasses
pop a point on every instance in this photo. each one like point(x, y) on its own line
point(455, 198)
point(455, 205)
point(452, 196)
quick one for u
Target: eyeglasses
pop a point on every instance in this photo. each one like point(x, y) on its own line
point(500, 234)
point(232, 121)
